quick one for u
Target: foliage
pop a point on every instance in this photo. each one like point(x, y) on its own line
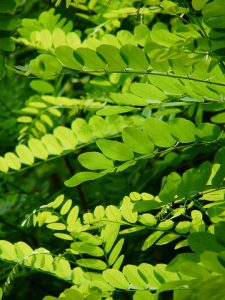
point(112, 163)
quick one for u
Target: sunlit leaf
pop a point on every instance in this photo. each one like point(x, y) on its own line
point(116, 279)
point(115, 150)
point(95, 161)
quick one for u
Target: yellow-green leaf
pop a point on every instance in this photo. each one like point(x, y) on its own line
point(12, 161)
point(66, 137)
point(115, 252)
point(37, 148)
point(115, 150)
point(66, 207)
point(25, 155)
point(151, 239)
point(56, 226)
point(116, 279)
point(90, 263)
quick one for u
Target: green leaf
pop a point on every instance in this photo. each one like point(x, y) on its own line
point(114, 110)
point(66, 56)
point(72, 294)
point(24, 119)
point(23, 250)
point(52, 145)
point(7, 251)
point(90, 249)
point(115, 150)
point(200, 242)
point(175, 263)
point(3, 165)
point(90, 59)
point(90, 263)
point(159, 132)
point(111, 55)
point(116, 279)
point(210, 260)
point(148, 92)
point(56, 226)
point(137, 140)
point(118, 262)
point(194, 180)
point(169, 191)
point(174, 285)
point(73, 215)
point(198, 4)
point(66, 137)
point(183, 130)
point(151, 239)
point(82, 177)
point(115, 252)
point(147, 219)
point(218, 118)
point(128, 99)
point(12, 161)
point(165, 225)
point(109, 235)
point(141, 31)
point(166, 239)
point(207, 132)
point(63, 236)
point(88, 238)
point(62, 268)
point(66, 207)
point(95, 161)
point(37, 148)
point(148, 274)
point(57, 202)
point(183, 227)
point(125, 165)
point(140, 62)
point(140, 295)
point(128, 211)
point(113, 213)
point(41, 86)
point(1, 293)
point(45, 66)
point(165, 38)
point(134, 277)
point(82, 130)
point(25, 154)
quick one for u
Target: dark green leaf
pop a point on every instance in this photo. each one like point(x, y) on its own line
point(200, 242)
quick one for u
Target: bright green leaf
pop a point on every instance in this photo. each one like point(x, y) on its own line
point(95, 161)
point(82, 177)
point(137, 140)
point(159, 132)
point(116, 279)
point(90, 263)
point(151, 239)
point(115, 150)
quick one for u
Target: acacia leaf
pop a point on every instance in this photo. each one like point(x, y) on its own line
point(115, 150)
